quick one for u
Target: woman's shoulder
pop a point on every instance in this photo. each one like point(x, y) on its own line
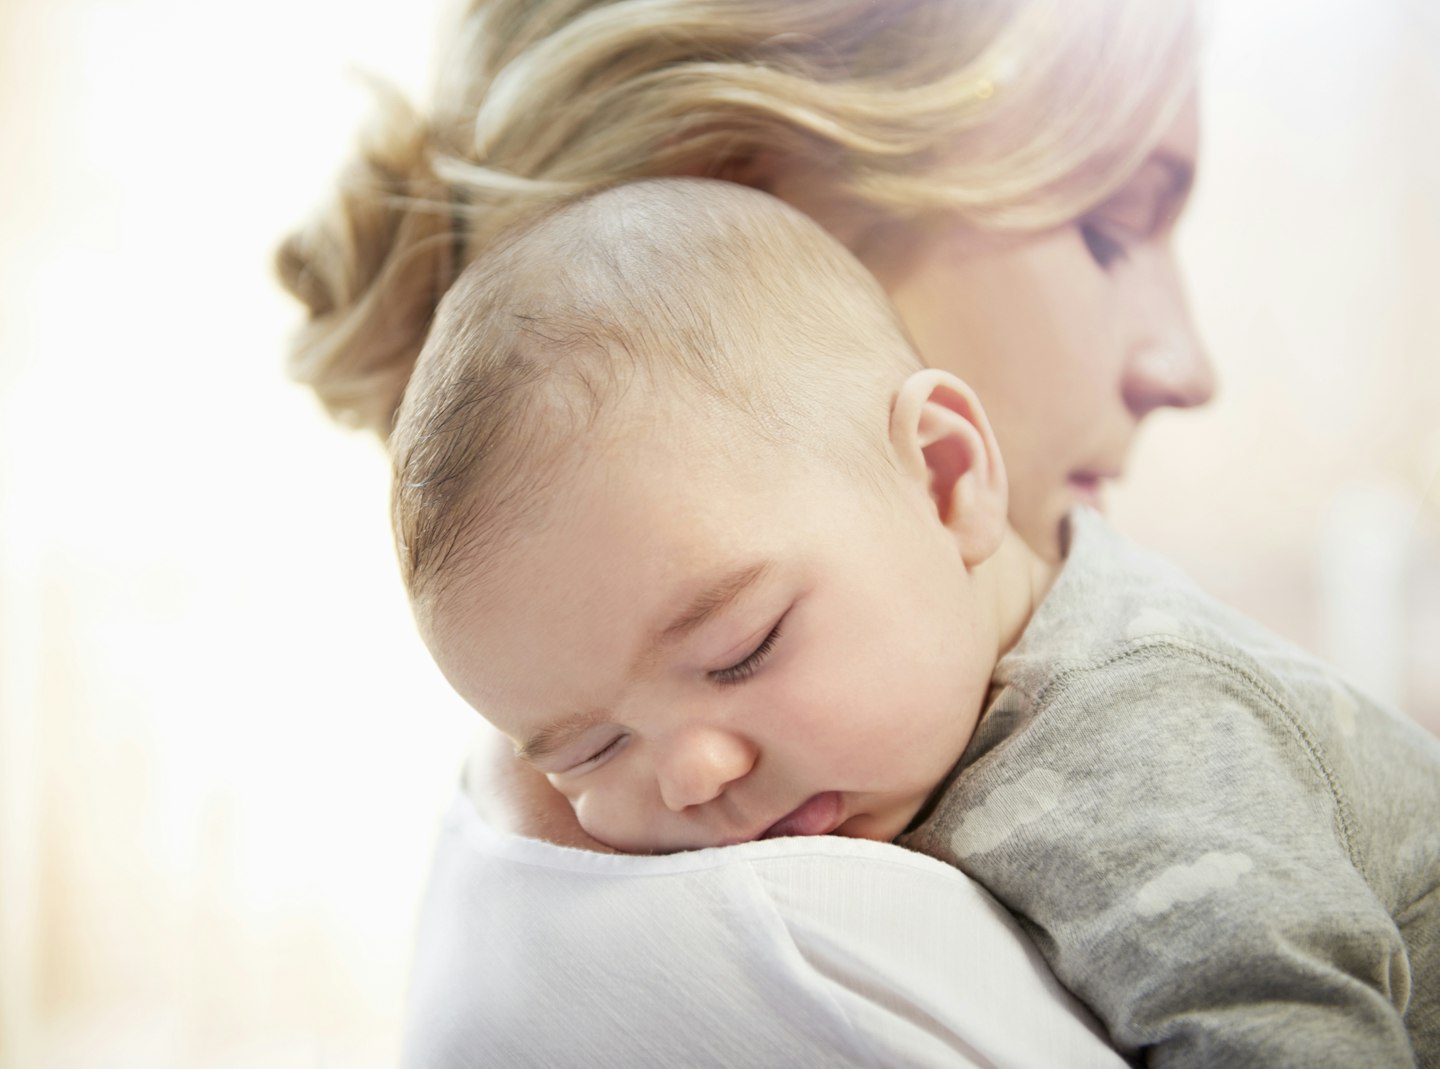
point(817, 950)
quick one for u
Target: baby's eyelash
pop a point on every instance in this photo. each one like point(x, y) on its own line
point(738, 673)
point(616, 741)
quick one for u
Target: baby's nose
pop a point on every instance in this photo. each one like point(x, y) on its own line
point(699, 764)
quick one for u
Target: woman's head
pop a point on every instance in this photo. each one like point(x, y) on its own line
point(1070, 334)
point(918, 131)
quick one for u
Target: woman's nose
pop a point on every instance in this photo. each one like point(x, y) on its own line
point(1167, 365)
point(697, 765)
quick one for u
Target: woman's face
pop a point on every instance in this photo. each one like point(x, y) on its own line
point(1070, 336)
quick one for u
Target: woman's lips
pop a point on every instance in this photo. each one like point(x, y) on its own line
point(819, 815)
point(1088, 488)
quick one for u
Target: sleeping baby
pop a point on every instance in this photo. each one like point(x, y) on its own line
point(680, 511)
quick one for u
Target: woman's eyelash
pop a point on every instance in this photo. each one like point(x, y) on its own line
point(738, 673)
point(1103, 248)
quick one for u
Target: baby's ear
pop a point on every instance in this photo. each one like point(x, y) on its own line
point(942, 438)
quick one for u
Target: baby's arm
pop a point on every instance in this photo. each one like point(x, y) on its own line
point(1184, 863)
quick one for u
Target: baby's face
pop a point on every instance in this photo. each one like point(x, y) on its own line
point(706, 639)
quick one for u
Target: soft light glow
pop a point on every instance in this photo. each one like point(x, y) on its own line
point(222, 748)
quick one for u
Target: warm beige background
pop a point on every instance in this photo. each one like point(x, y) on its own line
point(1309, 493)
point(222, 751)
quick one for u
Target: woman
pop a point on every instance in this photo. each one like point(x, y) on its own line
point(1011, 171)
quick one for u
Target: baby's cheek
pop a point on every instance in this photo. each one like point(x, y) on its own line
point(568, 788)
point(605, 815)
point(589, 810)
point(880, 827)
point(582, 802)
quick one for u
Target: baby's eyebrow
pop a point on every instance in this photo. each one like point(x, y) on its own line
point(556, 735)
point(711, 599)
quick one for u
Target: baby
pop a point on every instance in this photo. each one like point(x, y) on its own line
point(681, 512)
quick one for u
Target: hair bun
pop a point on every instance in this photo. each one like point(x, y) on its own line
point(369, 268)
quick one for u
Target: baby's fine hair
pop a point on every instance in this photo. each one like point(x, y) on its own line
point(693, 297)
point(1012, 114)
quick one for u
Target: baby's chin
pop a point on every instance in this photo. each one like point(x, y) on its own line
point(622, 844)
point(875, 829)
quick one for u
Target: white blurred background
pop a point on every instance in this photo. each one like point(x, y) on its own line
point(222, 749)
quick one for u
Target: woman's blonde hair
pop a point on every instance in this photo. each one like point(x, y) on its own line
point(1016, 114)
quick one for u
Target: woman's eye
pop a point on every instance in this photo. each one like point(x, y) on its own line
point(1104, 249)
point(744, 669)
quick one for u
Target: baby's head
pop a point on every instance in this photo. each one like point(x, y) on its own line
point(681, 513)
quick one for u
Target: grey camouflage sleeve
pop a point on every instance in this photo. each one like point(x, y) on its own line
point(1186, 866)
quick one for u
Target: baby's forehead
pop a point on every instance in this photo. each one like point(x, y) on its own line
point(727, 399)
point(639, 485)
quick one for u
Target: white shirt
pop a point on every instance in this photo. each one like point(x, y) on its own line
point(788, 952)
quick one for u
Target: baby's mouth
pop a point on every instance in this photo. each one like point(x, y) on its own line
point(818, 815)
